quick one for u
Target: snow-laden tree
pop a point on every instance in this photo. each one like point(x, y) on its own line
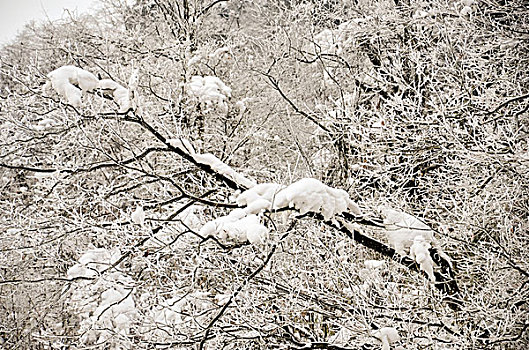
point(267, 174)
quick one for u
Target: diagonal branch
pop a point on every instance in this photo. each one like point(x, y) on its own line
point(444, 281)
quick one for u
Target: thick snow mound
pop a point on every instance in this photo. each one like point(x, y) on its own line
point(210, 91)
point(263, 194)
point(420, 253)
point(120, 94)
point(74, 75)
point(388, 336)
point(402, 228)
point(68, 81)
point(407, 233)
point(237, 227)
point(92, 262)
point(64, 79)
point(311, 195)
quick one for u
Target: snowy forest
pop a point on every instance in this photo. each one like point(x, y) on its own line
point(267, 174)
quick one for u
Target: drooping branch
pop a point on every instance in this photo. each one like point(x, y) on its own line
point(444, 280)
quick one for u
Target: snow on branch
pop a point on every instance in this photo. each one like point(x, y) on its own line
point(266, 196)
point(64, 81)
point(68, 81)
point(210, 91)
point(311, 195)
point(236, 227)
point(222, 168)
point(407, 233)
point(305, 195)
point(402, 228)
point(92, 262)
point(210, 160)
point(388, 336)
point(119, 93)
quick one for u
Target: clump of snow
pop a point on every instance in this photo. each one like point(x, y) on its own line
point(120, 94)
point(237, 227)
point(189, 217)
point(402, 228)
point(465, 11)
point(241, 106)
point(138, 216)
point(264, 191)
point(374, 264)
point(194, 60)
point(47, 123)
point(107, 310)
point(133, 90)
point(405, 231)
point(329, 41)
point(388, 336)
point(305, 195)
point(63, 80)
point(92, 262)
point(73, 75)
point(334, 41)
point(169, 313)
point(257, 206)
point(222, 299)
point(68, 81)
point(210, 91)
point(419, 252)
point(222, 168)
point(311, 195)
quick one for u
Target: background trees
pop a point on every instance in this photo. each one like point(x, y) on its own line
point(420, 107)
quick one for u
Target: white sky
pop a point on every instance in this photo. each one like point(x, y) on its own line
point(15, 13)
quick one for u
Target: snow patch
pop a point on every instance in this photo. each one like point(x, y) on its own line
point(222, 168)
point(388, 336)
point(219, 52)
point(374, 264)
point(194, 60)
point(183, 144)
point(68, 81)
point(105, 306)
point(305, 195)
point(210, 91)
point(92, 262)
point(311, 195)
point(120, 94)
point(264, 191)
point(420, 253)
point(138, 216)
point(405, 231)
point(236, 227)
point(63, 80)
point(402, 228)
